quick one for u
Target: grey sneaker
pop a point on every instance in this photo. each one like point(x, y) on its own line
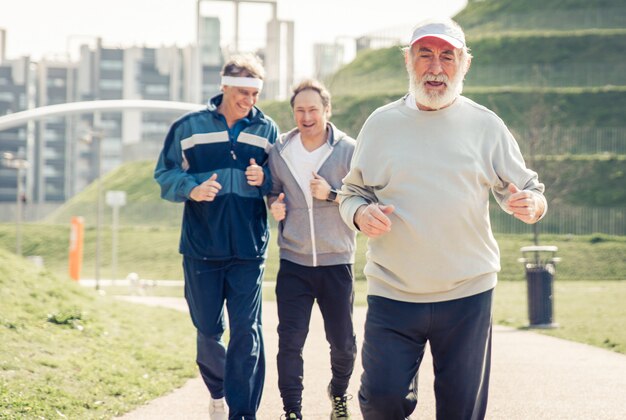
point(339, 406)
point(218, 410)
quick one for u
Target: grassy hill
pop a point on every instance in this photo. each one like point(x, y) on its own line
point(543, 67)
point(581, 128)
point(524, 15)
point(534, 59)
point(66, 352)
point(143, 202)
point(581, 107)
point(587, 180)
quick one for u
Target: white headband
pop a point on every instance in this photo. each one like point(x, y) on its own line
point(252, 82)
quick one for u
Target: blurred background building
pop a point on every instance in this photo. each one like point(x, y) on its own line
point(62, 159)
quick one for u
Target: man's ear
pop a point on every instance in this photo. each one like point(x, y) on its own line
point(329, 111)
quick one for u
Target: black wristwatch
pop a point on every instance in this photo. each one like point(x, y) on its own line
point(332, 195)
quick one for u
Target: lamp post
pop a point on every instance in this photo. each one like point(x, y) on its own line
point(115, 199)
point(12, 161)
point(90, 137)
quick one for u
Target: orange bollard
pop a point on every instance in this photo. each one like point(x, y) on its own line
point(77, 226)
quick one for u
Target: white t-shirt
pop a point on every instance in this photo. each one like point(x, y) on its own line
point(304, 163)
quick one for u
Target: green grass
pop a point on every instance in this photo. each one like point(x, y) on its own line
point(503, 15)
point(590, 312)
point(67, 352)
point(152, 253)
point(572, 179)
point(547, 48)
point(143, 202)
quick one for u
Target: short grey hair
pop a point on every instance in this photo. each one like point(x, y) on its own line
point(244, 65)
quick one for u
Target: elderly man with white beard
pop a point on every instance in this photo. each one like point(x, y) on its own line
point(419, 188)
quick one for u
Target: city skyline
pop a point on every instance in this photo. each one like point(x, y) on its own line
point(32, 30)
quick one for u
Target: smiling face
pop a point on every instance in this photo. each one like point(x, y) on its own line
point(436, 71)
point(310, 115)
point(238, 102)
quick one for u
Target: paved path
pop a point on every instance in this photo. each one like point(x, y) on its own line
point(533, 377)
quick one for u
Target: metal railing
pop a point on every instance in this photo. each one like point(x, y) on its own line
point(559, 140)
point(563, 220)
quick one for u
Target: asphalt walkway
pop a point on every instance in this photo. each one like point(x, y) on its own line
point(533, 377)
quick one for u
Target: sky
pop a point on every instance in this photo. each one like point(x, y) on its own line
point(54, 28)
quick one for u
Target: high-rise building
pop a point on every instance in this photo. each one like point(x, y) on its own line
point(53, 149)
point(3, 44)
point(63, 151)
point(154, 74)
point(209, 41)
point(16, 84)
point(211, 56)
point(279, 59)
point(327, 58)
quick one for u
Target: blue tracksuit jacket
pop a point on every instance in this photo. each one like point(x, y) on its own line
point(234, 225)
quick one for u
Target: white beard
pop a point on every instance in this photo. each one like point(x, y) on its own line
point(435, 99)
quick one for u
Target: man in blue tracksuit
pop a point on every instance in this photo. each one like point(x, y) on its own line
point(214, 161)
point(316, 248)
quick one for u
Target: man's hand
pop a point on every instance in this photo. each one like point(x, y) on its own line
point(319, 187)
point(254, 174)
point(372, 219)
point(278, 208)
point(525, 205)
point(207, 190)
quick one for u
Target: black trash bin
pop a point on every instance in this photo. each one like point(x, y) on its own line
point(540, 265)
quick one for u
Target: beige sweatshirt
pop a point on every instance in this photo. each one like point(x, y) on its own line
point(437, 168)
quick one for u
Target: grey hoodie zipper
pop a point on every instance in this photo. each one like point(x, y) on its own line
point(309, 208)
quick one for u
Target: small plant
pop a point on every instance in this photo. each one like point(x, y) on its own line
point(9, 324)
point(71, 317)
point(595, 239)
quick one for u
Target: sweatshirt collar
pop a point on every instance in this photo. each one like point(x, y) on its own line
point(409, 100)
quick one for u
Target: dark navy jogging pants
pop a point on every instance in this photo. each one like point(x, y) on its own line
point(459, 334)
point(238, 372)
point(297, 288)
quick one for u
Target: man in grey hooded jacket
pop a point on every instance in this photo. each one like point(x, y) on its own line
point(316, 248)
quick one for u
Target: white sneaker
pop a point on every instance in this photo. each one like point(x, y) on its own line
point(218, 410)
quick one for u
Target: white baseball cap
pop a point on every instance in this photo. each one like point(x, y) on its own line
point(445, 29)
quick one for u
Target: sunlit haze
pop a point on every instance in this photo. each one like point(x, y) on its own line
point(44, 28)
